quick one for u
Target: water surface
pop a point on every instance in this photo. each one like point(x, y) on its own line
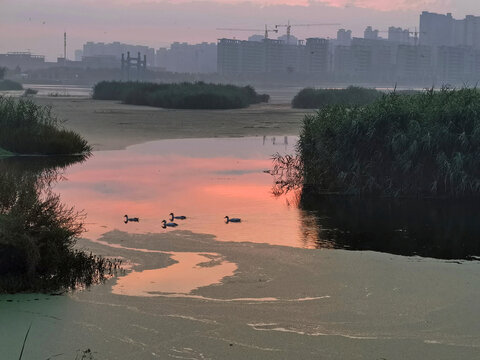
point(207, 179)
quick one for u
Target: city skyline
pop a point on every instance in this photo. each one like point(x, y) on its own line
point(39, 29)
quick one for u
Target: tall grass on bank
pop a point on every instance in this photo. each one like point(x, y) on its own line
point(421, 145)
point(6, 85)
point(4, 152)
point(310, 98)
point(28, 128)
point(197, 95)
point(38, 232)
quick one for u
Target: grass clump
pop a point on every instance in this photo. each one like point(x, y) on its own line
point(38, 232)
point(421, 145)
point(310, 98)
point(30, 91)
point(6, 85)
point(197, 95)
point(4, 152)
point(28, 128)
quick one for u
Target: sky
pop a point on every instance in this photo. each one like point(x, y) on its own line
point(38, 25)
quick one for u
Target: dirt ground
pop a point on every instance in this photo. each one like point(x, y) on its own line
point(110, 125)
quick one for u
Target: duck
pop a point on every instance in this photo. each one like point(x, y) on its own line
point(170, 224)
point(234, 220)
point(127, 219)
point(173, 217)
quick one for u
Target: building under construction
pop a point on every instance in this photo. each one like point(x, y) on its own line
point(272, 56)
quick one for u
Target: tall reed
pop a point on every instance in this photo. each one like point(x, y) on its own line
point(425, 144)
point(28, 128)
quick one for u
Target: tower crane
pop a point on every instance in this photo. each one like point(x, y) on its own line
point(415, 34)
point(267, 30)
point(289, 27)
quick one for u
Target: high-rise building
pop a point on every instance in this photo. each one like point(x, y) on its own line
point(268, 56)
point(188, 58)
point(229, 56)
point(455, 65)
point(116, 49)
point(414, 64)
point(370, 34)
point(317, 55)
point(372, 60)
point(344, 37)
point(436, 29)
point(78, 55)
point(399, 35)
point(444, 30)
point(22, 60)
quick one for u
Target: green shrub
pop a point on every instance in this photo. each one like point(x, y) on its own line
point(317, 98)
point(10, 85)
point(4, 152)
point(30, 92)
point(38, 232)
point(426, 144)
point(197, 95)
point(28, 128)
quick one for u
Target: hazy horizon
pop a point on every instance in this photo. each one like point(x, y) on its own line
point(29, 26)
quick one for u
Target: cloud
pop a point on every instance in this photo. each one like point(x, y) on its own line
point(381, 5)
point(39, 26)
point(386, 5)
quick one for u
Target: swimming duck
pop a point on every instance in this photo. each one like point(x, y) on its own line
point(170, 224)
point(235, 220)
point(127, 219)
point(173, 217)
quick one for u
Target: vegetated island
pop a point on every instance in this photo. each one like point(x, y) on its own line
point(7, 85)
point(37, 232)
point(420, 145)
point(198, 95)
point(310, 98)
point(28, 128)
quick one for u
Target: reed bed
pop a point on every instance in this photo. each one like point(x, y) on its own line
point(418, 145)
point(9, 85)
point(197, 95)
point(310, 98)
point(28, 128)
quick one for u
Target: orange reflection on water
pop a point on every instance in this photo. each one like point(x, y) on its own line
point(192, 271)
point(203, 179)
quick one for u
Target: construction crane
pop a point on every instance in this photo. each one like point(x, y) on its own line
point(289, 27)
point(267, 30)
point(415, 34)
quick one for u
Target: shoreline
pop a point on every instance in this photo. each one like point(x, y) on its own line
point(110, 125)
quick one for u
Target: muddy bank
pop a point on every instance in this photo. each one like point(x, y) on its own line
point(279, 303)
point(110, 125)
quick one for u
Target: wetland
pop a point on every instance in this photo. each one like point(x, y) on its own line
point(302, 276)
